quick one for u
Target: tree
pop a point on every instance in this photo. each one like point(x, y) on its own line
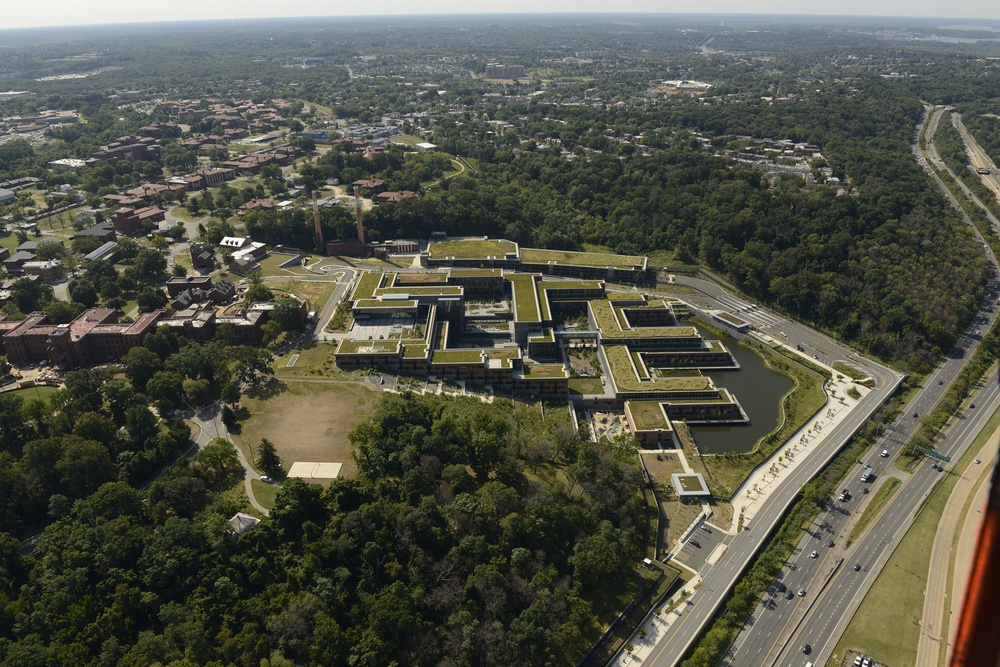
point(251, 363)
point(150, 299)
point(287, 313)
point(177, 158)
point(166, 389)
point(61, 312)
point(28, 295)
point(82, 291)
point(218, 464)
point(258, 292)
point(83, 466)
point(267, 458)
point(149, 264)
point(141, 364)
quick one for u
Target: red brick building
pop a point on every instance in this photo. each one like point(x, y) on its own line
point(130, 220)
point(93, 337)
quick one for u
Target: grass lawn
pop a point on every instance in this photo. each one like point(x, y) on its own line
point(264, 493)
point(181, 213)
point(60, 222)
point(875, 505)
point(315, 292)
point(676, 516)
point(314, 362)
point(407, 139)
point(9, 241)
point(309, 421)
point(883, 625)
point(44, 393)
point(269, 266)
point(184, 259)
point(849, 371)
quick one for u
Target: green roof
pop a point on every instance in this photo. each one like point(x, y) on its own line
point(732, 319)
point(414, 350)
point(441, 290)
point(547, 336)
point(526, 306)
point(388, 347)
point(601, 260)
point(475, 273)
point(375, 303)
point(625, 379)
point(367, 285)
point(610, 325)
point(503, 353)
point(457, 356)
point(418, 278)
point(544, 371)
point(647, 415)
point(570, 284)
point(471, 249)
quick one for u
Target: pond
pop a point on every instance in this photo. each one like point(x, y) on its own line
point(757, 388)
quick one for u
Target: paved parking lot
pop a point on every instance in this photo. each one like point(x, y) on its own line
point(380, 328)
point(693, 556)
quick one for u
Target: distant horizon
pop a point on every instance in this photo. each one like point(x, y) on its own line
point(63, 14)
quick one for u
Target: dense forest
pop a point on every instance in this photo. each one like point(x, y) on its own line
point(449, 548)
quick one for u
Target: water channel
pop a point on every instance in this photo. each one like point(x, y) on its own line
point(757, 388)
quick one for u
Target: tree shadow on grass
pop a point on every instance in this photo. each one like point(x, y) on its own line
point(269, 388)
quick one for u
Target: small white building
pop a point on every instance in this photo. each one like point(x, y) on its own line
point(241, 523)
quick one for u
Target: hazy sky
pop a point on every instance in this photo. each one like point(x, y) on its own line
point(20, 14)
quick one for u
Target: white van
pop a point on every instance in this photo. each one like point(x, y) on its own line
point(885, 453)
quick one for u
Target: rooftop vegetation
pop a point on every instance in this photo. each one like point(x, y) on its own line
point(647, 415)
point(389, 347)
point(526, 307)
point(539, 256)
point(471, 249)
point(367, 285)
point(625, 378)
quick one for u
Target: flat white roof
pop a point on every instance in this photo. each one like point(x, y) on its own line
point(314, 470)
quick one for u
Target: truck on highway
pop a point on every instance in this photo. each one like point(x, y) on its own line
point(866, 476)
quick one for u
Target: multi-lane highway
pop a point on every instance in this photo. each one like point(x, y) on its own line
point(828, 616)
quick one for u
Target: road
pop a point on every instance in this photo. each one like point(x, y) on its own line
point(718, 579)
point(939, 572)
point(770, 634)
point(209, 421)
point(833, 608)
point(977, 156)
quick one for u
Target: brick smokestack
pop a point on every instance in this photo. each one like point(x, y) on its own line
point(319, 228)
point(357, 210)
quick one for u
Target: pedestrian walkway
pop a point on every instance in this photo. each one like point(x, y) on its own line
point(750, 497)
point(655, 626)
